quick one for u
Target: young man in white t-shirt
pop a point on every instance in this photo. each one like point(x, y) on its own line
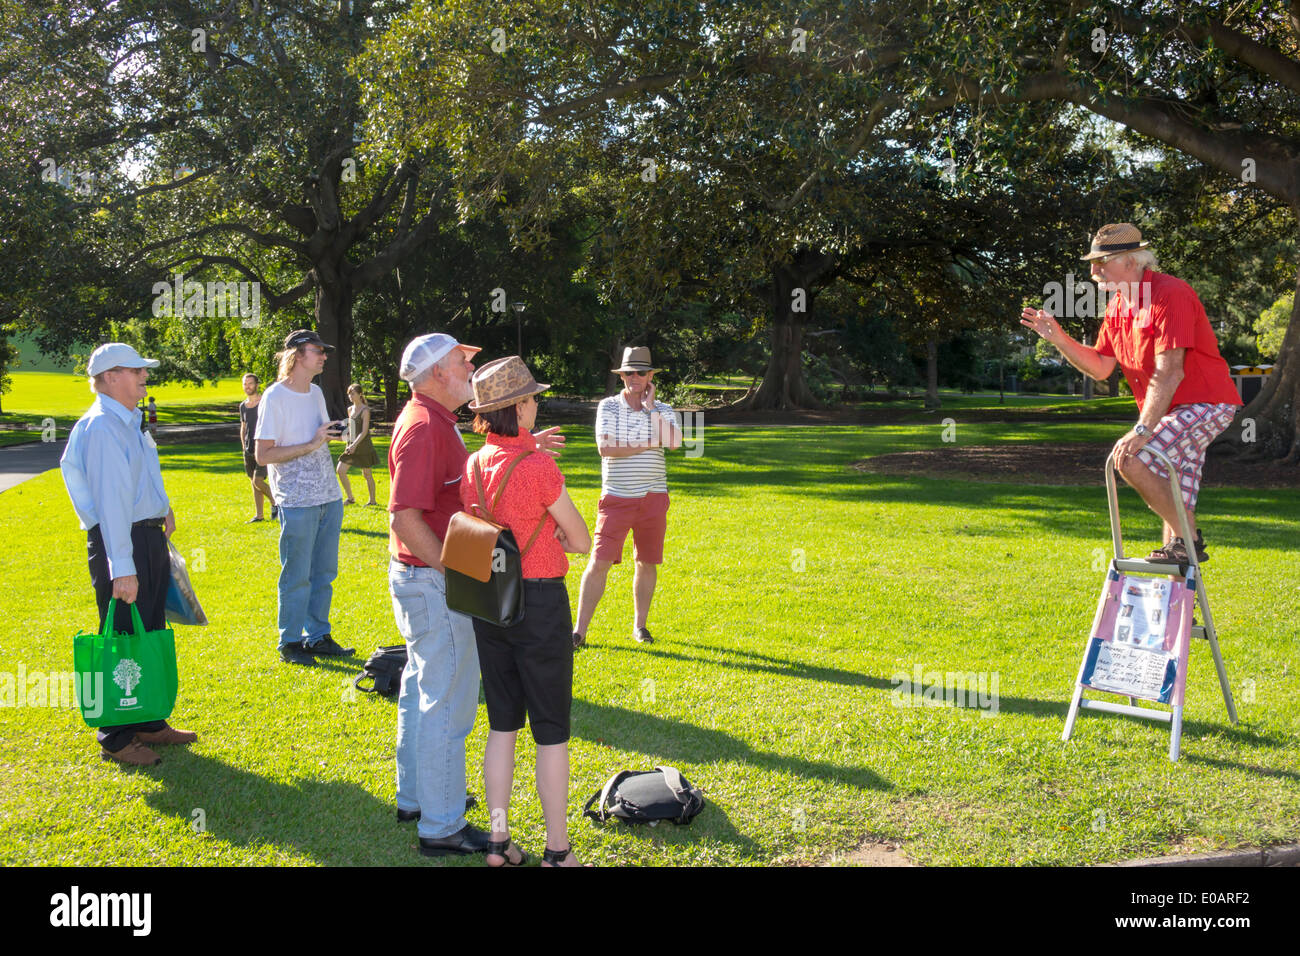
point(293, 434)
point(632, 431)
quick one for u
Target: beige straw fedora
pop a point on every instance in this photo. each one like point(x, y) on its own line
point(503, 382)
point(1114, 237)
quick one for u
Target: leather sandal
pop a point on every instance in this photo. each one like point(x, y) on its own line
point(502, 850)
point(556, 857)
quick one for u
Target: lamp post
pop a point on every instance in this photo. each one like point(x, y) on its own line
point(519, 325)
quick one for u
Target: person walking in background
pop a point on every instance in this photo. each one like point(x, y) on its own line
point(632, 430)
point(1156, 330)
point(360, 452)
point(528, 668)
point(293, 434)
point(111, 470)
point(153, 418)
point(247, 429)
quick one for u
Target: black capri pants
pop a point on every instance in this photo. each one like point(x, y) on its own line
point(528, 668)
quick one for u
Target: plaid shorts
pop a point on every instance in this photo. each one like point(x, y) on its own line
point(1183, 435)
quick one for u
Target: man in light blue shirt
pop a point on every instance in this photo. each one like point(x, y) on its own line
point(112, 474)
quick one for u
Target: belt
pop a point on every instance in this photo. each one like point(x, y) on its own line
point(559, 580)
point(150, 523)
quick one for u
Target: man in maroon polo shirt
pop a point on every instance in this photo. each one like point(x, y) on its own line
point(439, 694)
point(1156, 330)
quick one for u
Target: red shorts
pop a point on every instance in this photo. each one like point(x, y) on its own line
point(646, 518)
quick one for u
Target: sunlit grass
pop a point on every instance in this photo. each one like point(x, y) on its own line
point(794, 589)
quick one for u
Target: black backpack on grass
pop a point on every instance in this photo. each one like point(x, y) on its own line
point(646, 796)
point(384, 669)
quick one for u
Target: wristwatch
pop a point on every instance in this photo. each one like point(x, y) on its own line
point(1141, 430)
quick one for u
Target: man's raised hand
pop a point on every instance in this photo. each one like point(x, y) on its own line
point(1042, 322)
point(550, 441)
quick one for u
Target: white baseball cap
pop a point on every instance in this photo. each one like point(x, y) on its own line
point(426, 351)
point(116, 355)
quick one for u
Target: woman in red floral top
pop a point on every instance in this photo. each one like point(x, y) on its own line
point(528, 668)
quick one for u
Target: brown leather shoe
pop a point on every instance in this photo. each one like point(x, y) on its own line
point(134, 754)
point(168, 735)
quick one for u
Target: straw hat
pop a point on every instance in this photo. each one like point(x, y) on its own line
point(1114, 237)
point(503, 382)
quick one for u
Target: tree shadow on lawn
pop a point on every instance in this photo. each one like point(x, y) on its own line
point(1242, 735)
point(781, 667)
point(1054, 508)
point(366, 534)
point(1235, 765)
point(664, 738)
point(333, 823)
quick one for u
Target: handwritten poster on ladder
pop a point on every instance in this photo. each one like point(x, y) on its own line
point(1139, 645)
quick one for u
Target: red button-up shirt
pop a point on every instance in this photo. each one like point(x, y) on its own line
point(1168, 315)
point(535, 485)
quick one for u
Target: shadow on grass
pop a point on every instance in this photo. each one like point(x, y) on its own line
point(680, 743)
point(1236, 765)
point(332, 822)
point(362, 532)
point(782, 667)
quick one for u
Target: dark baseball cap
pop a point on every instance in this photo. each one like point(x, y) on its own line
point(298, 339)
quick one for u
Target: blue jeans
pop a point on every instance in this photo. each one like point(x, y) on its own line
point(309, 562)
point(438, 701)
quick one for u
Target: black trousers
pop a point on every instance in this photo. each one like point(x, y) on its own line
point(153, 570)
point(528, 668)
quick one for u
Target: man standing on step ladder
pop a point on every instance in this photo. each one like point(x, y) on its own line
point(1156, 330)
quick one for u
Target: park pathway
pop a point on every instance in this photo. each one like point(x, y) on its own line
point(20, 462)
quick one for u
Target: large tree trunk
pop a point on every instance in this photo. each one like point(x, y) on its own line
point(932, 402)
point(793, 293)
point(391, 380)
point(334, 325)
point(1267, 426)
point(1112, 383)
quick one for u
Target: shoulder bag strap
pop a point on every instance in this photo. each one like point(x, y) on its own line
point(673, 777)
point(496, 499)
point(602, 799)
point(478, 485)
point(505, 479)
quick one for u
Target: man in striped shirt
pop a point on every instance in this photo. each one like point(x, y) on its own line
point(632, 430)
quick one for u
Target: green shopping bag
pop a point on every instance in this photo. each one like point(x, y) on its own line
point(125, 678)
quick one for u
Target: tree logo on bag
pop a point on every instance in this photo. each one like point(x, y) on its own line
point(127, 676)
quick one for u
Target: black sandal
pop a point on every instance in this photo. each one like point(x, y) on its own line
point(502, 850)
point(556, 857)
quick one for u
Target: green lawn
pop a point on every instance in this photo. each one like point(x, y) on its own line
point(36, 396)
point(794, 589)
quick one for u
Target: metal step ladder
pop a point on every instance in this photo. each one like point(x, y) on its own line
point(1194, 580)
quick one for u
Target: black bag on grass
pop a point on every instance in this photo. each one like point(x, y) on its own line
point(646, 796)
point(384, 669)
